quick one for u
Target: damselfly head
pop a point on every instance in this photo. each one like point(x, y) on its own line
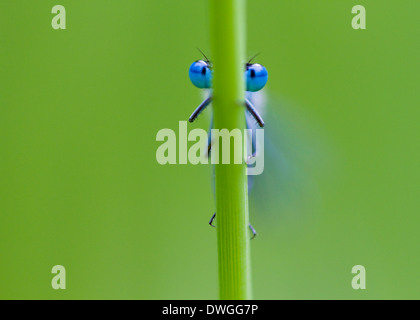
point(201, 74)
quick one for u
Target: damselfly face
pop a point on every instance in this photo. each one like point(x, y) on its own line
point(255, 76)
point(201, 75)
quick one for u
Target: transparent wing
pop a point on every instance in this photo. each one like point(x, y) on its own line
point(295, 157)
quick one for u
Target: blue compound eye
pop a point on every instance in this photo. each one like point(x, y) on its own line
point(201, 74)
point(256, 77)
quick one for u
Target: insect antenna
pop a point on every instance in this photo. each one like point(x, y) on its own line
point(250, 60)
point(207, 59)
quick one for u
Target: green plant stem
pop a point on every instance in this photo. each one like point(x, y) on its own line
point(227, 22)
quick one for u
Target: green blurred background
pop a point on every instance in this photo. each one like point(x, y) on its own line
point(80, 185)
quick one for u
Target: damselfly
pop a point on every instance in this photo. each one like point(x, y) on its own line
point(256, 76)
point(296, 156)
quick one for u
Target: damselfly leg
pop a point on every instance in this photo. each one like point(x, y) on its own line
point(254, 232)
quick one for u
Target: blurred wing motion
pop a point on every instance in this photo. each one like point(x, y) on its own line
point(295, 157)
